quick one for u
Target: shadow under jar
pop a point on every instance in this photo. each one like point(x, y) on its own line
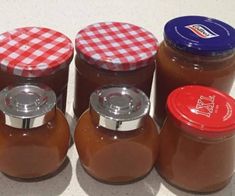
point(36, 55)
point(112, 53)
point(34, 136)
point(197, 140)
point(116, 139)
point(195, 50)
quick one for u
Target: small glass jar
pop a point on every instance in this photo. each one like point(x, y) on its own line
point(36, 55)
point(195, 50)
point(34, 133)
point(197, 140)
point(116, 139)
point(112, 53)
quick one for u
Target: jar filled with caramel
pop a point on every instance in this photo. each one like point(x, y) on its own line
point(34, 134)
point(197, 140)
point(36, 55)
point(112, 53)
point(195, 50)
point(116, 139)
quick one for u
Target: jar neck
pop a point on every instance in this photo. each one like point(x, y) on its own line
point(94, 116)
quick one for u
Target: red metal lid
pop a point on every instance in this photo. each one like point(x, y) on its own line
point(116, 46)
point(203, 110)
point(34, 51)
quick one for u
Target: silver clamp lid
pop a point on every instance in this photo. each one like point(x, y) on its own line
point(119, 108)
point(27, 106)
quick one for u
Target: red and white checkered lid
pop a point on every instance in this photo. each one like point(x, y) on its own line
point(34, 51)
point(116, 46)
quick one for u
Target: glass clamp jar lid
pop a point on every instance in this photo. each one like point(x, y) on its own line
point(119, 108)
point(27, 106)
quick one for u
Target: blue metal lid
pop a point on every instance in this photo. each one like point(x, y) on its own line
point(200, 35)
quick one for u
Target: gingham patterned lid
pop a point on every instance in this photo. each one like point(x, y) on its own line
point(34, 51)
point(116, 46)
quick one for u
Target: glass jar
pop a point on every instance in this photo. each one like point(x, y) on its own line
point(34, 133)
point(197, 143)
point(116, 139)
point(36, 55)
point(195, 50)
point(112, 53)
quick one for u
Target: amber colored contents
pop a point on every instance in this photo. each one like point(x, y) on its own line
point(88, 78)
point(193, 163)
point(57, 81)
point(116, 156)
point(36, 152)
point(176, 68)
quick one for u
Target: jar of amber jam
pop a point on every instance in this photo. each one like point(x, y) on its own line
point(116, 139)
point(195, 50)
point(197, 142)
point(112, 53)
point(34, 133)
point(36, 54)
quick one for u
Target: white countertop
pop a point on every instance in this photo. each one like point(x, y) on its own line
point(70, 16)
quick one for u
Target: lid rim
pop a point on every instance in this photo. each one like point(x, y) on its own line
point(103, 65)
point(201, 133)
point(208, 129)
point(121, 119)
point(196, 51)
point(52, 69)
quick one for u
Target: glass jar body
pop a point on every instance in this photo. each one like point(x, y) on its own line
point(116, 157)
point(89, 77)
point(176, 68)
point(194, 163)
point(36, 152)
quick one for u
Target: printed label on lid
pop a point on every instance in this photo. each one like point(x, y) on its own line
point(202, 31)
point(229, 112)
point(205, 105)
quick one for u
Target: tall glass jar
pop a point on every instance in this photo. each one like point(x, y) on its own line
point(36, 55)
point(195, 50)
point(197, 140)
point(112, 53)
point(116, 139)
point(34, 134)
